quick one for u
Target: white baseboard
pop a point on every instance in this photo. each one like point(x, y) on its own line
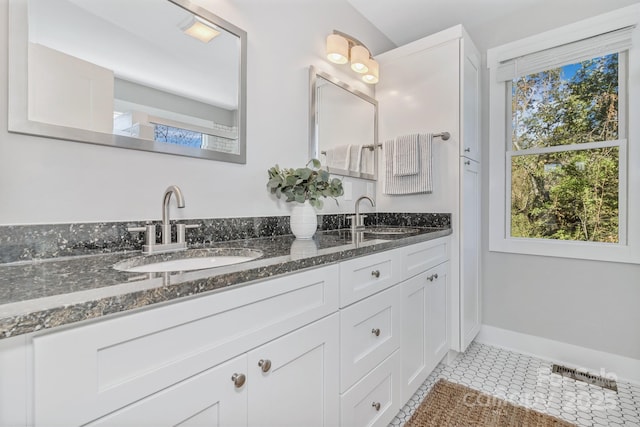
point(594, 361)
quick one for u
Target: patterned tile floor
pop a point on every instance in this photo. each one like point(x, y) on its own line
point(528, 381)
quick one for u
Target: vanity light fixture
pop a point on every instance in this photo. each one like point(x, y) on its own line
point(200, 29)
point(342, 48)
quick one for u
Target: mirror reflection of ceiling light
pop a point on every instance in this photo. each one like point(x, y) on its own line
point(200, 29)
point(342, 48)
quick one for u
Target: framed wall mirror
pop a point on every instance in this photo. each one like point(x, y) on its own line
point(166, 76)
point(343, 129)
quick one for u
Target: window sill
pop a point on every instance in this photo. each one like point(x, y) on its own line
point(607, 252)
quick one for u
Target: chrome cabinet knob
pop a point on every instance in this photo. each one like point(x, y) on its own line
point(265, 365)
point(466, 150)
point(375, 273)
point(432, 277)
point(238, 380)
point(467, 162)
point(376, 405)
point(376, 332)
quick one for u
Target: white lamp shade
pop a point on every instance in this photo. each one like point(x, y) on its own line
point(359, 59)
point(372, 75)
point(337, 49)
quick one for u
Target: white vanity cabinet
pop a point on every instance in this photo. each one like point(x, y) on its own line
point(159, 358)
point(397, 330)
point(340, 345)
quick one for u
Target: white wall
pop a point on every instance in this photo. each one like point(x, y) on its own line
point(585, 303)
point(53, 181)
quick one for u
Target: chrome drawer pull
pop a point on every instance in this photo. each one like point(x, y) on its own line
point(238, 380)
point(375, 273)
point(376, 405)
point(432, 277)
point(376, 332)
point(265, 364)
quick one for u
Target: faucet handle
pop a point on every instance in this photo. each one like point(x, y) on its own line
point(150, 236)
point(180, 231)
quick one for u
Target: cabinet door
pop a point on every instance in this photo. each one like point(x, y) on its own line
point(216, 397)
point(294, 379)
point(425, 302)
point(437, 314)
point(470, 292)
point(469, 142)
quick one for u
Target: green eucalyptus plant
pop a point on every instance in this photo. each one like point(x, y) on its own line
point(308, 183)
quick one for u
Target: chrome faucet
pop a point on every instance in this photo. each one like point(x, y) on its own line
point(151, 246)
point(357, 223)
point(166, 226)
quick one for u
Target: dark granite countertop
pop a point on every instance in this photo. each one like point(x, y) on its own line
point(42, 294)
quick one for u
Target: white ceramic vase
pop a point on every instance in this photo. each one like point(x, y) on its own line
point(304, 221)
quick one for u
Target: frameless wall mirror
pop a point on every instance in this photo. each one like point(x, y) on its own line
point(165, 76)
point(343, 127)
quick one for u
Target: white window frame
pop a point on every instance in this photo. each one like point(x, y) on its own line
point(500, 240)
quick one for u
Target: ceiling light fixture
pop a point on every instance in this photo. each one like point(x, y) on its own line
point(200, 29)
point(342, 48)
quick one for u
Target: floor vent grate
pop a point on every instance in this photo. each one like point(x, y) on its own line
point(585, 377)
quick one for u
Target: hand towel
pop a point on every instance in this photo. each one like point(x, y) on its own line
point(356, 158)
point(338, 157)
point(422, 182)
point(406, 159)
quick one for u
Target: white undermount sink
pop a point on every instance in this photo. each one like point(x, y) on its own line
point(194, 259)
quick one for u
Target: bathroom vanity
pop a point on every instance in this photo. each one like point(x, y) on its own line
point(343, 336)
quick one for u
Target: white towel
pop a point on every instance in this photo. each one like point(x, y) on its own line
point(422, 182)
point(338, 157)
point(406, 155)
point(356, 158)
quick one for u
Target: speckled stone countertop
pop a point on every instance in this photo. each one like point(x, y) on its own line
point(42, 294)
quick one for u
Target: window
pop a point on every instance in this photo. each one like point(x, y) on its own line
point(192, 138)
point(561, 145)
point(565, 151)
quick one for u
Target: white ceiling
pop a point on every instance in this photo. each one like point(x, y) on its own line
point(141, 41)
point(489, 22)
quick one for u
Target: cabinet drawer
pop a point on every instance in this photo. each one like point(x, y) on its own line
point(367, 275)
point(423, 256)
point(85, 372)
point(359, 405)
point(369, 333)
